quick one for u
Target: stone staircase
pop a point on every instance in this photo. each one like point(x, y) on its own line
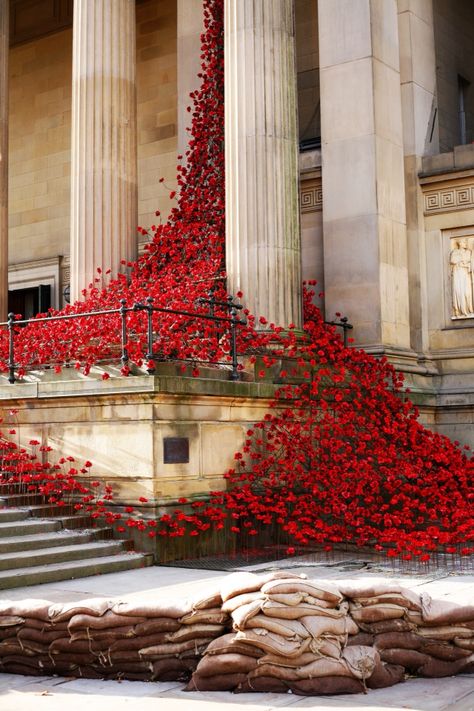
point(43, 544)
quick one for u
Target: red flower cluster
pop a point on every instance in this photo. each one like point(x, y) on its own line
point(341, 456)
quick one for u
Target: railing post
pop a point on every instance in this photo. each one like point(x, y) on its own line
point(149, 355)
point(11, 348)
point(123, 314)
point(234, 321)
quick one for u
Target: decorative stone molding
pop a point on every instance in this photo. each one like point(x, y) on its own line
point(31, 274)
point(449, 198)
point(311, 196)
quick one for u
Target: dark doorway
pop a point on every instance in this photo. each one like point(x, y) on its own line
point(29, 302)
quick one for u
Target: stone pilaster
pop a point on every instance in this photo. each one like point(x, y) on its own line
point(103, 146)
point(364, 223)
point(263, 253)
point(4, 48)
point(420, 138)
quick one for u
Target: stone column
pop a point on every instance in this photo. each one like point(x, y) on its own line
point(4, 48)
point(365, 240)
point(104, 153)
point(263, 254)
point(190, 27)
point(420, 138)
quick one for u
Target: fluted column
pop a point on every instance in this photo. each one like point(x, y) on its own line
point(4, 32)
point(104, 154)
point(263, 254)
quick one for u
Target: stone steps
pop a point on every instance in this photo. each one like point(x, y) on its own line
point(37, 546)
point(20, 577)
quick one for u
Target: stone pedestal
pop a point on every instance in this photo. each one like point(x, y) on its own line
point(263, 254)
point(103, 146)
point(365, 240)
point(4, 47)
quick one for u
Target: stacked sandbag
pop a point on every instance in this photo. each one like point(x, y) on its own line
point(409, 631)
point(289, 634)
point(109, 639)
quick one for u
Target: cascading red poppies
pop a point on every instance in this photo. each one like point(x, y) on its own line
point(340, 457)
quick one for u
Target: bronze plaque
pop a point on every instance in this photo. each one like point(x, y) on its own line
point(175, 450)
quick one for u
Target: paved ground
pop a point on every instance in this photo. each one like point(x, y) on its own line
point(53, 693)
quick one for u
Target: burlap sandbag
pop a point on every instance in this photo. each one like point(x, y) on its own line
point(277, 671)
point(175, 608)
point(435, 668)
point(464, 643)
point(406, 598)
point(170, 649)
point(320, 626)
point(326, 667)
point(297, 598)
point(226, 664)
point(397, 625)
point(138, 642)
point(38, 609)
point(213, 616)
point(242, 614)
point(11, 620)
point(172, 669)
point(224, 682)
point(447, 632)
point(361, 660)
point(368, 587)
point(227, 644)
point(107, 633)
point(385, 675)
point(108, 619)
point(408, 658)
point(446, 651)
point(245, 582)
point(211, 598)
point(317, 589)
point(291, 662)
point(42, 625)
point(9, 632)
point(287, 628)
point(375, 613)
point(364, 638)
point(272, 643)
point(94, 607)
point(444, 612)
point(188, 632)
point(65, 644)
point(262, 684)
point(13, 646)
point(327, 685)
point(398, 640)
point(123, 656)
point(289, 612)
point(37, 636)
point(155, 625)
point(234, 602)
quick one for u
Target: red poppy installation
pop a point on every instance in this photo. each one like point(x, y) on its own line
point(341, 455)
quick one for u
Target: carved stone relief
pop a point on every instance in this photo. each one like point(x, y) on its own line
point(461, 262)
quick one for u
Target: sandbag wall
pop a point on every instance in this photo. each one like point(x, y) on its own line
point(252, 633)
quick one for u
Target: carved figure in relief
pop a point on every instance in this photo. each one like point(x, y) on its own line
point(461, 270)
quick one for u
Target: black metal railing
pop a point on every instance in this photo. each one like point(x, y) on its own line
point(231, 322)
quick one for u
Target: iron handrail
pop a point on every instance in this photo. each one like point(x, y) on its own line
point(233, 320)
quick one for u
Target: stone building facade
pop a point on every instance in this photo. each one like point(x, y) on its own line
point(349, 154)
